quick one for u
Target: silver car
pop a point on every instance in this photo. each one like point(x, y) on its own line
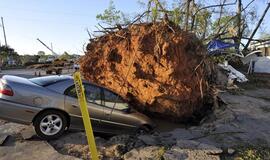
point(50, 104)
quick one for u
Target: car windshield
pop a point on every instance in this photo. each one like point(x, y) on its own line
point(48, 80)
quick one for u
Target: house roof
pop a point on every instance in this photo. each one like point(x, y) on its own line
point(258, 45)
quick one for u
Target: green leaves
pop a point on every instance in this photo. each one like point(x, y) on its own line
point(112, 16)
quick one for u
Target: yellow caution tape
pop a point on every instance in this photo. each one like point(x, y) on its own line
point(85, 114)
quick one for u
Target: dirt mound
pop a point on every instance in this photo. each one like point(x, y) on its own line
point(166, 75)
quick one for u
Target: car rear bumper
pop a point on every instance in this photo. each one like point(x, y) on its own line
point(16, 112)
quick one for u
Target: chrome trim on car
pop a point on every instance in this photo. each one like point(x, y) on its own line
point(119, 123)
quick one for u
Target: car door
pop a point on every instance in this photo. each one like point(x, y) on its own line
point(117, 120)
point(93, 97)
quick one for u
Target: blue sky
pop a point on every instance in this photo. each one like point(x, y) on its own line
point(60, 22)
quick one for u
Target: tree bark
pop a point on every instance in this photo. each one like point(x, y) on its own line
point(239, 24)
point(239, 8)
point(187, 13)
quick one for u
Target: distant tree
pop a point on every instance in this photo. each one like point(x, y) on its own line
point(29, 59)
point(41, 53)
point(8, 54)
point(7, 49)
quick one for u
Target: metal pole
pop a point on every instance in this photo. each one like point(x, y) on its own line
point(46, 46)
point(4, 31)
point(52, 48)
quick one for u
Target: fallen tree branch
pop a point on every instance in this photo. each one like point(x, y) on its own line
point(89, 34)
point(211, 6)
point(194, 71)
point(257, 27)
point(162, 8)
point(117, 35)
point(247, 5)
point(217, 5)
point(170, 28)
point(138, 17)
point(109, 29)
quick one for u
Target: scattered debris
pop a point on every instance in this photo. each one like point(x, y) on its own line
point(233, 73)
point(3, 138)
point(234, 123)
point(231, 151)
point(149, 140)
point(177, 153)
point(151, 152)
point(2, 122)
point(28, 132)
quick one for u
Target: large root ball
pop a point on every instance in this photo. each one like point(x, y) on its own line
point(157, 67)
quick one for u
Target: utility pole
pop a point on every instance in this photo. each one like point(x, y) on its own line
point(3, 26)
point(47, 46)
point(52, 48)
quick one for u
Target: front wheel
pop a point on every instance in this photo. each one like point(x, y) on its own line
point(50, 124)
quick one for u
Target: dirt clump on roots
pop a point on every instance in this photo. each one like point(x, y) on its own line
point(157, 67)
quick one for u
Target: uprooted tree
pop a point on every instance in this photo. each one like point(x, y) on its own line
point(232, 20)
point(157, 60)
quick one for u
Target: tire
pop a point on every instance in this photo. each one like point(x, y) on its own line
point(50, 124)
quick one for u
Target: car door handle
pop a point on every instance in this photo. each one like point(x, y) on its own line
point(74, 106)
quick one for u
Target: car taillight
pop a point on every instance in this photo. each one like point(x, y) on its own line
point(5, 89)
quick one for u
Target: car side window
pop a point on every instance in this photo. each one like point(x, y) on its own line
point(71, 91)
point(92, 93)
point(112, 100)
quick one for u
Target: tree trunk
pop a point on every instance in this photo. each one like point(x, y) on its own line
point(187, 13)
point(204, 28)
point(239, 23)
point(237, 39)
